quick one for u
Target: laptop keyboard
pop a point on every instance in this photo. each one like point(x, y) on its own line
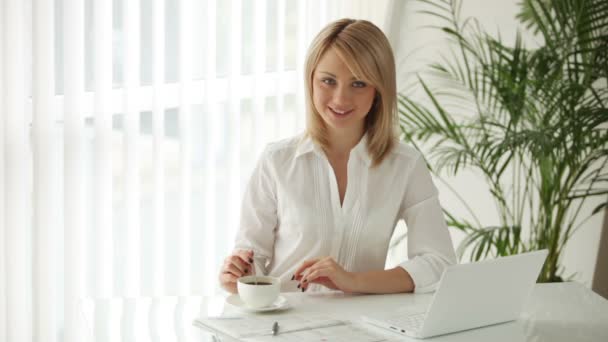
point(411, 322)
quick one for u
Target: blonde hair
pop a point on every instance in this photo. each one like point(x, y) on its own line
point(367, 53)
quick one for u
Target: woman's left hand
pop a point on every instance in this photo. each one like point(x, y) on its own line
point(324, 271)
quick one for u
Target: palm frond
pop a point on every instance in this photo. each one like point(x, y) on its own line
point(533, 121)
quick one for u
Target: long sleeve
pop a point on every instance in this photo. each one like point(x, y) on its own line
point(430, 248)
point(291, 213)
point(259, 215)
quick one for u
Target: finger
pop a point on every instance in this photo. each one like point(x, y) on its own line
point(323, 281)
point(246, 255)
point(312, 264)
point(317, 273)
point(324, 263)
point(320, 275)
point(320, 280)
point(227, 278)
point(303, 266)
point(228, 282)
point(238, 262)
point(237, 272)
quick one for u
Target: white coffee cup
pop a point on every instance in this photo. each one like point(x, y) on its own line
point(261, 295)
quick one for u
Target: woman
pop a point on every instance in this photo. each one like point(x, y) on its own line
point(320, 208)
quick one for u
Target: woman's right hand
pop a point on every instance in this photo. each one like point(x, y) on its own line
point(238, 264)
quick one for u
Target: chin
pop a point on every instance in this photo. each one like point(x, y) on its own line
point(342, 122)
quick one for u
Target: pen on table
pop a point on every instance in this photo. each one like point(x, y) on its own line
point(275, 328)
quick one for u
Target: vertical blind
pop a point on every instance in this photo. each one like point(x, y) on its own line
point(127, 144)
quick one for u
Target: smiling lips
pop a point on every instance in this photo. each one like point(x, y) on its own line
point(340, 112)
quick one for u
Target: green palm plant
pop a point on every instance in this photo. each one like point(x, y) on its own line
point(538, 132)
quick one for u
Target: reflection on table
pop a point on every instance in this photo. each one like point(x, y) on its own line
point(555, 312)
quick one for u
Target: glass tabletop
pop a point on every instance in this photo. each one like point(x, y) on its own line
point(555, 312)
point(151, 319)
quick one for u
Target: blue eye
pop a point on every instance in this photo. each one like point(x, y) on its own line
point(329, 81)
point(359, 84)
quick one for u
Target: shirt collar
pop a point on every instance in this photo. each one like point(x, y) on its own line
point(307, 145)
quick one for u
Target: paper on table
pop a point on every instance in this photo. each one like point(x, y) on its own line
point(249, 326)
point(291, 328)
point(336, 333)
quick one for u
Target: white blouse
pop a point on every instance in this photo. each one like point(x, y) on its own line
point(291, 212)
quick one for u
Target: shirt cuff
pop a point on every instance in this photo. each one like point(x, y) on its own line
point(425, 279)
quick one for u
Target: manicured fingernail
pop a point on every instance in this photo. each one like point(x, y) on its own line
point(299, 286)
point(246, 270)
point(303, 289)
point(304, 280)
point(293, 277)
point(250, 260)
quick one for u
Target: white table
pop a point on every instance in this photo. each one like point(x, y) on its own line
point(555, 312)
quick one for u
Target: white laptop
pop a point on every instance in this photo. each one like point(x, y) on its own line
point(469, 296)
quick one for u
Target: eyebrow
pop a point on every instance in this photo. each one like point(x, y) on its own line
point(332, 75)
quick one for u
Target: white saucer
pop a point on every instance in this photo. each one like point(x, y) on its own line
point(279, 304)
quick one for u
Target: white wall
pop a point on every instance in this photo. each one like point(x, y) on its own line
point(416, 46)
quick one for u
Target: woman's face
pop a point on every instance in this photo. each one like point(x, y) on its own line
point(341, 99)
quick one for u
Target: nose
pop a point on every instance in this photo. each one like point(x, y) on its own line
point(342, 96)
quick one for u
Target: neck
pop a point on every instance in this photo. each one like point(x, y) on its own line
point(341, 142)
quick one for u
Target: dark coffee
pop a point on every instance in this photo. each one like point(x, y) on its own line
point(258, 283)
